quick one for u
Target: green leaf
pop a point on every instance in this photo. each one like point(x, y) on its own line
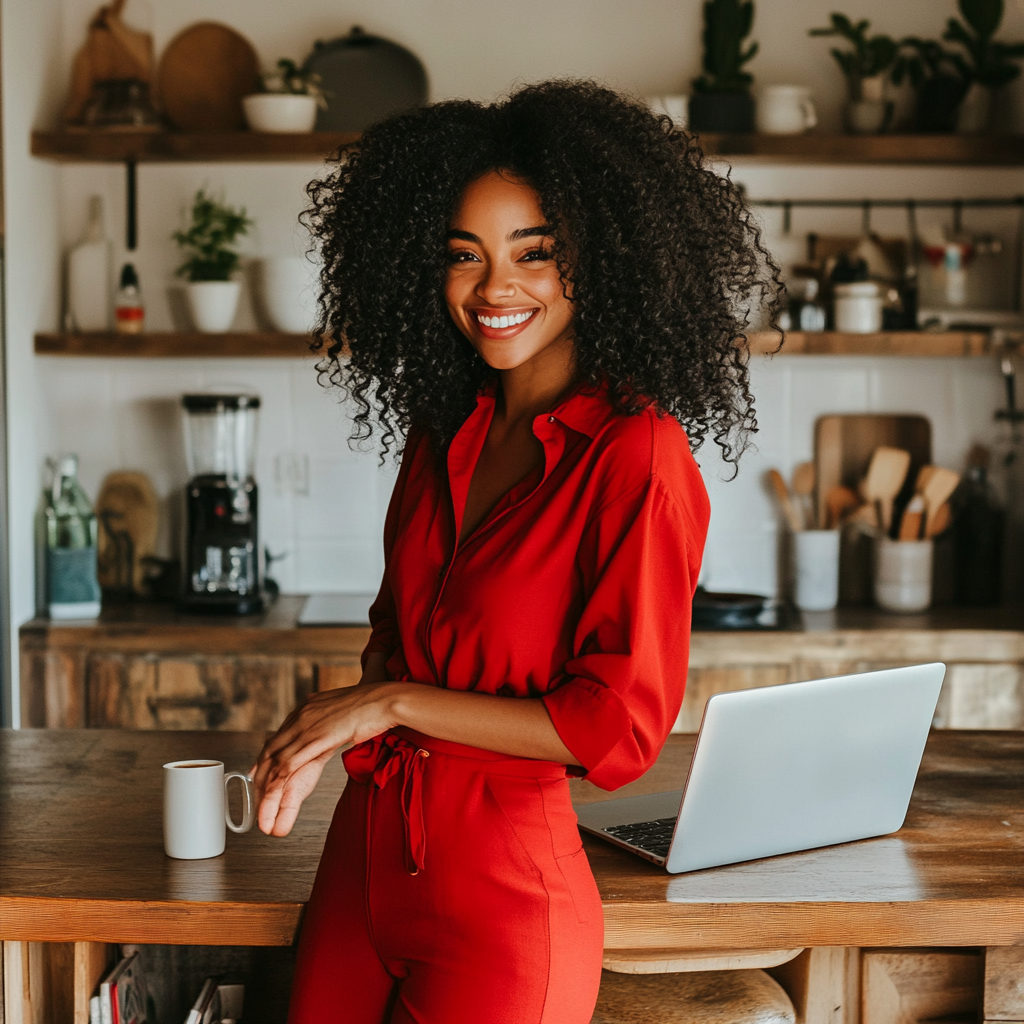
point(984, 16)
point(843, 24)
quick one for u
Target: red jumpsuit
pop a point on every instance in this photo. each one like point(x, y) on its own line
point(453, 887)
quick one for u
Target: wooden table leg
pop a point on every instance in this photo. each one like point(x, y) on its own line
point(1004, 984)
point(824, 984)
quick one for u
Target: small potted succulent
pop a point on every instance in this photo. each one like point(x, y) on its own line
point(865, 66)
point(289, 100)
point(722, 101)
point(990, 64)
point(211, 259)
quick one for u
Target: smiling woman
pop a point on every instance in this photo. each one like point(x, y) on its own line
point(536, 297)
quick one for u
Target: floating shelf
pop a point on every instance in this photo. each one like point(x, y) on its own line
point(163, 147)
point(163, 345)
point(271, 344)
point(119, 146)
point(888, 343)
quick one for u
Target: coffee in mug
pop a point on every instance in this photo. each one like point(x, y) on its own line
point(196, 808)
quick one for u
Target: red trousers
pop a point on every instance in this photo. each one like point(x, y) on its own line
point(453, 889)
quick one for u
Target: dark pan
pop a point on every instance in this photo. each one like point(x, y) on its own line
point(713, 610)
point(365, 78)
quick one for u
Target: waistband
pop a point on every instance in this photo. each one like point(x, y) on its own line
point(459, 755)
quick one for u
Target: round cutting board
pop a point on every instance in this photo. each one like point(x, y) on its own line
point(204, 73)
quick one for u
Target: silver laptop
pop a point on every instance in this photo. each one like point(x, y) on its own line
point(785, 768)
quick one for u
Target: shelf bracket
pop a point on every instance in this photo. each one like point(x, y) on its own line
point(131, 206)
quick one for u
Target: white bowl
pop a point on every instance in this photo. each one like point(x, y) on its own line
point(279, 112)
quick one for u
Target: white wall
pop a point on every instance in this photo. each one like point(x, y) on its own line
point(119, 413)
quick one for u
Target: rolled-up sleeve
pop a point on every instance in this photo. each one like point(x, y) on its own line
point(623, 687)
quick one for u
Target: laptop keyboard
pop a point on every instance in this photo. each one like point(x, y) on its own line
point(652, 836)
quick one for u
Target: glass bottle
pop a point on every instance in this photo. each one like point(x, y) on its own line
point(129, 312)
point(70, 532)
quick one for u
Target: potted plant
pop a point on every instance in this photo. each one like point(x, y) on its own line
point(990, 64)
point(289, 100)
point(940, 77)
point(865, 65)
point(722, 101)
point(211, 259)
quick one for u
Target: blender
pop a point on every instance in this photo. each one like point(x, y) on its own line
point(222, 567)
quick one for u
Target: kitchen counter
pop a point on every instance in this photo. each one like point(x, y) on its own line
point(149, 666)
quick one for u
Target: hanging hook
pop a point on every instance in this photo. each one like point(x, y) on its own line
point(958, 216)
point(131, 206)
point(865, 217)
point(787, 217)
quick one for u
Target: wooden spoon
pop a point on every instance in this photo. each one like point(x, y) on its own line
point(803, 488)
point(942, 483)
point(886, 473)
point(838, 502)
point(784, 500)
point(913, 514)
point(942, 520)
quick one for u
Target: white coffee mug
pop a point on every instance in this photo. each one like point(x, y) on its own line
point(785, 110)
point(196, 808)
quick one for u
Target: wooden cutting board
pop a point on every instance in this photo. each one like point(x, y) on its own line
point(129, 515)
point(204, 73)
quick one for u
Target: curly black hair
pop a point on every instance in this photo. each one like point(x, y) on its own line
point(664, 260)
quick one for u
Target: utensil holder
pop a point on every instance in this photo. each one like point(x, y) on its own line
point(903, 574)
point(816, 569)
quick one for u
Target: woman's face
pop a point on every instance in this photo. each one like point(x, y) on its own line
point(502, 287)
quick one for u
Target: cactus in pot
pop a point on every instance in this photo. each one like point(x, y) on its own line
point(722, 100)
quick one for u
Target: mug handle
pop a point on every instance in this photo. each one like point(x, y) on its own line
point(810, 114)
point(249, 814)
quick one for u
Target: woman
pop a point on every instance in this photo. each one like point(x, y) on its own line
point(537, 293)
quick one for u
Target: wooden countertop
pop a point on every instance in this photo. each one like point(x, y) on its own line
point(81, 857)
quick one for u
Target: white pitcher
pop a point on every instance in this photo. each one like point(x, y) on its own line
point(785, 110)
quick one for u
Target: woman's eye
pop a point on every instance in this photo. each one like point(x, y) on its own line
point(461, 257)
point(534, 255)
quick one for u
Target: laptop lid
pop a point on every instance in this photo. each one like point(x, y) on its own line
point(792, 767)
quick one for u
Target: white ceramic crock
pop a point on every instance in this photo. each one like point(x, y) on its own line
point(785, 110)
point(287, 290)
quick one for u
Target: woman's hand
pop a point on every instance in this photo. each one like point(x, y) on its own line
point(293, 759)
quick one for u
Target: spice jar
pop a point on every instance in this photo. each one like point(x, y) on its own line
point(858, 307)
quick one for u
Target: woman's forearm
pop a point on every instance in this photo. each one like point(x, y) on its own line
point(519, 726)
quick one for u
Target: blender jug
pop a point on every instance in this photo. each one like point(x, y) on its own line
point(222, 552)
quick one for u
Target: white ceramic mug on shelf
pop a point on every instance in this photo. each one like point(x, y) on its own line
point(196, 808)
point(858, 307)
point(785, 110)
point(816, 564)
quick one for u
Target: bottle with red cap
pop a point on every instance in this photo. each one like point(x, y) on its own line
point(129, 313)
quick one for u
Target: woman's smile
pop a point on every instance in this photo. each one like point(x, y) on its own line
point(501, 324)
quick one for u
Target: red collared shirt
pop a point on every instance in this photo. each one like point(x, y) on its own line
point(576, 588)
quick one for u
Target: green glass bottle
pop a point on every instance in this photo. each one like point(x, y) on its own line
point(70, 532)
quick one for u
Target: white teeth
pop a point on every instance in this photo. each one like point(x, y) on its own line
point(504, 321)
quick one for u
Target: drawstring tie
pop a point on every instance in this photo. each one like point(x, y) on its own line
point(382, 759)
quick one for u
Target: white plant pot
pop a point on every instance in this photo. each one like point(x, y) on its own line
point(287, 287)
point(213, 304)
point(279, 112)
point(975, 114)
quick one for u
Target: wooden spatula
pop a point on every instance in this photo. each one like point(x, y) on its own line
point(886, 473)
point(937, 490)
point(838, 502)
point(803, 489)
point(913, 515)
point(942, 520)
point(784, 500)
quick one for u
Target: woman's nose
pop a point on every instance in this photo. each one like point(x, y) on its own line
point(496, 283)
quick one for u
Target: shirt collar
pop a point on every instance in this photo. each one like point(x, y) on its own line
point(585, 409)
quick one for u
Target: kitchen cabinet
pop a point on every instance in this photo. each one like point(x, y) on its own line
point(149, 667)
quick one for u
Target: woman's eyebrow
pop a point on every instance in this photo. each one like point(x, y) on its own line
point(516, 236)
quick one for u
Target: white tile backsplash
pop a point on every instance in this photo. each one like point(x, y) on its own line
point(124, 414)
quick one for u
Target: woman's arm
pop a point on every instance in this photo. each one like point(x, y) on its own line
point(292, 760)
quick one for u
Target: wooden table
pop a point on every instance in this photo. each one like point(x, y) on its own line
point(81, 857)
point(82, 862)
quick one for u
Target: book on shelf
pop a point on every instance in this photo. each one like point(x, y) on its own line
point(122, 995)
point(217, 1003)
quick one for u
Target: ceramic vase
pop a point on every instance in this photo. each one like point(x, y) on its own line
point(212, 304)
point(279, 112)
point(287, 290)
point(975, 114)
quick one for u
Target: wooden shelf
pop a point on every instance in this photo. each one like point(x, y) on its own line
point(175, 345)
point(1006, 150)
point(153, 147)
point(889, 343)
point(104, 146)
point(271, 344)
